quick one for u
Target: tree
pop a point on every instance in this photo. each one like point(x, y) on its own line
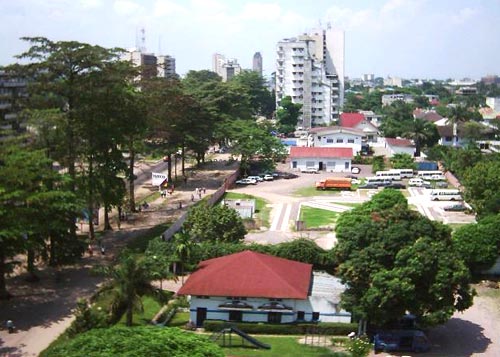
point(302, 250)
point(422, 132)
point(287, 115)
point(183, 244)
point(131, 279)
point(481, 183)
point(421, 101)
point(457, 114)
point(218, 223)
point(159, 257)
point(403, 161)
point(261, 99)
point(478, 244)
point(395, 261)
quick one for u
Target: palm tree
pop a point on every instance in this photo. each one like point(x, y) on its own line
point(183, 247)
point(458, 114)
point(130, 280)
point(421, 132)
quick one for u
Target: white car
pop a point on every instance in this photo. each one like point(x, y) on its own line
point(310, 170)
point(418, 182)
point(256, 178)
point(268, 177)
point(246, 181)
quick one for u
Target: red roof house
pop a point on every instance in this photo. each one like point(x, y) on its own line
point(250, 274)
point(351, 120)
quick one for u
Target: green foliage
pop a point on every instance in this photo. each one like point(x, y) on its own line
point(378, 163)
point(359, 347)
point(396, 261)
point(403, 161)
point(261, 100)
point(287, 115)
point(217, 223)
point(332, 328)
point(478, 244)
point(137, 341)
point(86, 319)
point(302, 250)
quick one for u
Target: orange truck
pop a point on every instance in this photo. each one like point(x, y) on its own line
point(342, 183)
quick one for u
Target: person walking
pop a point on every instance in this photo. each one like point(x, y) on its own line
point(10, 326)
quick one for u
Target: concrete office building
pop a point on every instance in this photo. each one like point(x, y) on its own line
point(12, 90)
point(257, 63)
point(166, 66)
point(152, 65)
point(310, 69)
point(226, 68)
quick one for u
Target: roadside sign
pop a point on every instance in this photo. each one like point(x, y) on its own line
point(158, 178)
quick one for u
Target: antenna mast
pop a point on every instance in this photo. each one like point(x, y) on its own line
point(143, 40)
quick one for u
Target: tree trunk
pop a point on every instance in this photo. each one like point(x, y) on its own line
point(129, 316)
point(31, 266)
point(175, 166)
point(169, 172)
point(131, 178)
point(91, 201)
point(107, 224)
point(4, 294)
point(183, 162)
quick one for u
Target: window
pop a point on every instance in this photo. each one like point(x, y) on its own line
point(300, 315)
point(346, 165)
point(350, 141)
point(203, 297)
point(274, 317)
point(275, 299)
point(315, 316)
point(448, 138)
point(235, 316)
point(294, 164)
point(329, 141)
point(340, 140)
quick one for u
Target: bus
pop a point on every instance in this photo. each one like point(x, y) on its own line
point(446, 195)
point(389, 175)
point(404, 173)
point(431, 175)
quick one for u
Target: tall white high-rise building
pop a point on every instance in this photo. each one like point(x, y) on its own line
point(257, 63)
point(310, 69)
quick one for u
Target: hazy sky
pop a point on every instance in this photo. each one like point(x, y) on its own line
point(406, 38)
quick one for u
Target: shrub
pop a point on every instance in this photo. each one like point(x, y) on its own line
point(359, 347)
point(136, 341)
point(333, 328)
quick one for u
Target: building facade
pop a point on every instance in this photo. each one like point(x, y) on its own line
point(310, 69)
point(226, 68)
point(336, 136)
point(257, 63)
point(12, 91)
point(152, 65)
point(255, 287)
point(329, 159)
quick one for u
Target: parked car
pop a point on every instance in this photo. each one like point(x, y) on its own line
point(442, 184)
point(309, 170)
point(355, 170)
point(256, 178)
point(355, 181)
point(396, 185)
point(268, 177)
point(458, 207)
point(370, 186)
point(288, 176)
point(401, 340)
point(246, 181)
point(351, 176)
point(418, 182)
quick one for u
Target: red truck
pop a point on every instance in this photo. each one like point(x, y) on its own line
point(342, 183)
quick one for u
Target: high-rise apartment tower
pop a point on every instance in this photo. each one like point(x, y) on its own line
point(257, 63)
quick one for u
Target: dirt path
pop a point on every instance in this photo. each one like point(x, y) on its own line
point(42, 311)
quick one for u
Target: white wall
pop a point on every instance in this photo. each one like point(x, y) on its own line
point(400, 150)
point(323, 142)
point(327, 313)
point(329, 165)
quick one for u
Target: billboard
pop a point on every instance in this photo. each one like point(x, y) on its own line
point(158, 178)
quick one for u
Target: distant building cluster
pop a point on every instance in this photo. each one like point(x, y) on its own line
point(226, 68)
point(12, 90)
point(310, 69)
point(152, 65)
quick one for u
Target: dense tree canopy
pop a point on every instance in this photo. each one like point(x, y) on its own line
point(396, 261)
point(287, 115)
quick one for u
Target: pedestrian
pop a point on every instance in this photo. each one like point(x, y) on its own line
point(204, 190)
point(10, 326)
point(192, 198)
point(180, 204)
point(90, 250)
point(196, 191)
point(199, 194)
point(103, 250)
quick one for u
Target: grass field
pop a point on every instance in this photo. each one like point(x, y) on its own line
point(280, 347)
point(180, 319)
point(317, 217)
point(262, 210)
point(312, 191)
point(151, 308)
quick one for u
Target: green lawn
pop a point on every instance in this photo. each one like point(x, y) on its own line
point(140, 243)
point(317, 217)
point(312, 191)
point(348, 204)
point(262, 210)
point(151, 308)
point(280, 347)
point(180, 319)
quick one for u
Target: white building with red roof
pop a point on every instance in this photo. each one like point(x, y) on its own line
point(255, 287)
point(358, 121)
point(399, 146)
point(330, 159)
point(336, 136)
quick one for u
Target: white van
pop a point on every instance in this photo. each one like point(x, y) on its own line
point(389, 175)
point(417, 181)
point(404, 173)
point(446, 195)
point(378, 180)
point(427, 175)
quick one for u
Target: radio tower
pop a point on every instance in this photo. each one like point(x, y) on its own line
point(142, 48)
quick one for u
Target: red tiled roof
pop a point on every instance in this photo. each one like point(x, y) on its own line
point(306, 152)
point(250, 274)
point(350, 120)
point(399, 142)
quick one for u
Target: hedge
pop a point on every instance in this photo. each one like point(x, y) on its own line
point(330, 328)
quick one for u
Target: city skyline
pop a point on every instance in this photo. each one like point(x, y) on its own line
point(404, 38)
